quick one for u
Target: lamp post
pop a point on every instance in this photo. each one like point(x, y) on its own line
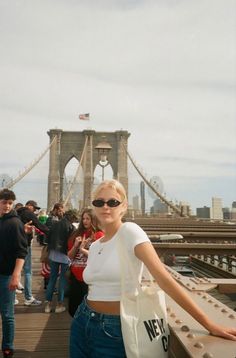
point(103, 149)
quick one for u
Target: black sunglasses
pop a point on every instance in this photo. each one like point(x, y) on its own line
point(112, 203)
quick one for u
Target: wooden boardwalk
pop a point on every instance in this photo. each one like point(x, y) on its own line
point(41, 335)
point(37, 334)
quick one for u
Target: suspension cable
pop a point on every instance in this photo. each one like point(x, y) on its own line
point(163, 199)
point(32, 165)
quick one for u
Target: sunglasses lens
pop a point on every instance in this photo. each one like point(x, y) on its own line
point(113, 203)
point(98, 203)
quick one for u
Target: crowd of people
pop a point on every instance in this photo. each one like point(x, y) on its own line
point(82, 259)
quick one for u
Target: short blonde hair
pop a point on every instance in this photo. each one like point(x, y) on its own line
point(112, 184)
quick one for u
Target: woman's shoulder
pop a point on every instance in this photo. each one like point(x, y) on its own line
point(131, 226)
point(133, 234)
point(132, 229)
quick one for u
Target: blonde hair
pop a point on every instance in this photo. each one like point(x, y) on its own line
point(112, 184)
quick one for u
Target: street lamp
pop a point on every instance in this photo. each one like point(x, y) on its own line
point(103, 149)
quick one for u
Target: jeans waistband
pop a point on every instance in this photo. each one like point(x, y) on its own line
point(96, 315)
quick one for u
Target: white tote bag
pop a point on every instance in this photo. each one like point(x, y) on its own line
point(143, 315)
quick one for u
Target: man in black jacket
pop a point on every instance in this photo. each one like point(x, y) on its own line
point(13, 250)
point(27, 214)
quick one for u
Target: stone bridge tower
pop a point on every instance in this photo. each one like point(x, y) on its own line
point(68, 145)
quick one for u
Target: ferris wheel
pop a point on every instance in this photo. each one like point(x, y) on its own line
point(157, 184)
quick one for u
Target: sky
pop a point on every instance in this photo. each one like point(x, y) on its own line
point(164, 70)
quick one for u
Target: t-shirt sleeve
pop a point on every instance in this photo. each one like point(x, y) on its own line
point(133, 235)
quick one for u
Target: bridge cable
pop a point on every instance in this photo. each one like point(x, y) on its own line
point(27, 170)
point(162, 198)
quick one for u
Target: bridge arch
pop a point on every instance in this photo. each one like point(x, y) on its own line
point(83, 146)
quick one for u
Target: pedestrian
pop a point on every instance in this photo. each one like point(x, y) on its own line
point(20, 287)
point(58, 259)
point(41, 237)
point(13, 250)
point(27, 214)
point(55, 214)
point(78, 245)
point(96, 326)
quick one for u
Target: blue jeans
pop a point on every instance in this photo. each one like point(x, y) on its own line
point(55, 268)
point(95, 335)
point(7, 299)
point(28, 275)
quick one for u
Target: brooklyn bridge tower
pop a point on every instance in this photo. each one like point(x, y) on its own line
point(90, 148)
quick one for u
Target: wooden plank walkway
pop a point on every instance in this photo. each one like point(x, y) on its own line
point(41, 335)
point(38, 334)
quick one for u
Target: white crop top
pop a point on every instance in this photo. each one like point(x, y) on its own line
point(102, 272)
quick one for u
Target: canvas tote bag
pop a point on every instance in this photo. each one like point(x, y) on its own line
point(143, 313)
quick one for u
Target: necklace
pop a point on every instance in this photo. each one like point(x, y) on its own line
point(100, 251)
point(101, 248)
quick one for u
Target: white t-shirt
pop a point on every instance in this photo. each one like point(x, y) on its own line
point(102, 272)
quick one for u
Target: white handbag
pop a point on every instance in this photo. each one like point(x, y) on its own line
point(143, 313)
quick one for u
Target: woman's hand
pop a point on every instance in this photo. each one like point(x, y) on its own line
point(73, 251)
point(83, 244)
point(77, 242)
point(225, 332)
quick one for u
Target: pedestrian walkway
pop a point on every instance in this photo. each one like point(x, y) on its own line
point(38, 334)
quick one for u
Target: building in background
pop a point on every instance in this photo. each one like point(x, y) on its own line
point(142, 194)
point(185, 208)
point(203, 213)
point(216, 209)
point(158, 207)
point(136, 207)
point(233, 211)
point(226, 213)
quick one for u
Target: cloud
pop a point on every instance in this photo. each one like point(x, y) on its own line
point(163, 70)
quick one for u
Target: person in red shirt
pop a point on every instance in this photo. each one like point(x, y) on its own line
point(78, 246)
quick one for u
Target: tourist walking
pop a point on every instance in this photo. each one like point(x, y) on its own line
point(96, 326)
point(27, 214)
point(78, 246)
point(58, 259)
point(13, 250)
point(55, 214)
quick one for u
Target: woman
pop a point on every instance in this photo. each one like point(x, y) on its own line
point(96, 329)
point(78, 246)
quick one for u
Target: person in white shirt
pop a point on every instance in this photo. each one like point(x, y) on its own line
point(96, 328)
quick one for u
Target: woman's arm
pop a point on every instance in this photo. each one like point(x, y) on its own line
point(72, 252)
point(147, 254)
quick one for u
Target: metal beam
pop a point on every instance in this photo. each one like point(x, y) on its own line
point(194, 248)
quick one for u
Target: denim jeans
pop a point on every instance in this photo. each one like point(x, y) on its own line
point(28, 275)
point(95, 335)
point(60, 269)
point(7, 299)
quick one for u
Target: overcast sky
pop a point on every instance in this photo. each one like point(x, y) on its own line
point(164, 70)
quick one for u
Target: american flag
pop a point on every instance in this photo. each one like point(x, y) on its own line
point(84, 117)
